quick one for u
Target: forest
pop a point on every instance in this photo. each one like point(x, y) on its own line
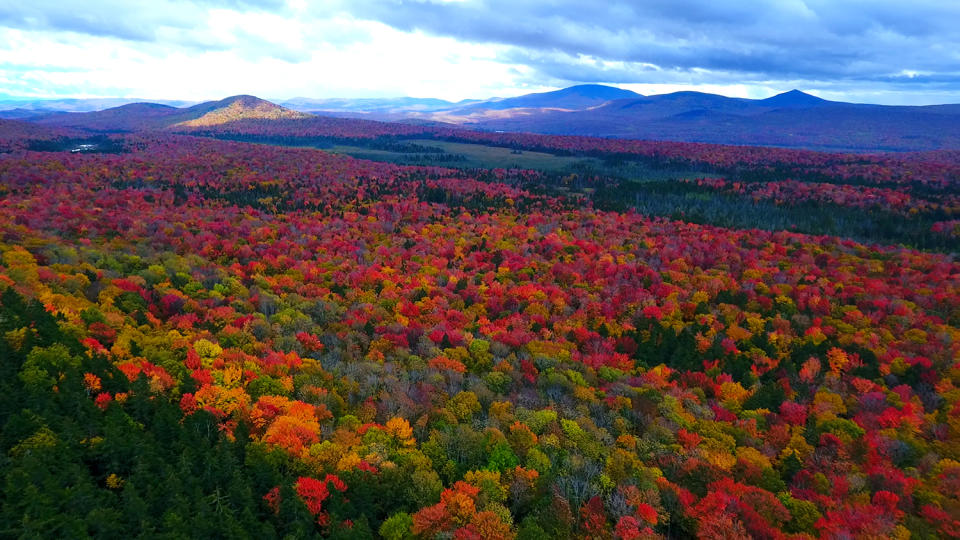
point(909, 198)
point(216, 338)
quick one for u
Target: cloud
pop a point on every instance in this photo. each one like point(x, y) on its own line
point(252, 29)
point(157, 20)
point(239, 57)
point(755, 40)
point(113, 18)
point(477, 48)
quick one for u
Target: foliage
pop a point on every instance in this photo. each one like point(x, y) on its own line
point(205, 338)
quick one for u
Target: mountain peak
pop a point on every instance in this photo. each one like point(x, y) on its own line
point(245, 99)
point(240, 107)
point(794, 98)
point(598, 91)
point(142, 107)
point(582, 96)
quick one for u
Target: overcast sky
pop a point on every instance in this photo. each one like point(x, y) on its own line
point(878, 51)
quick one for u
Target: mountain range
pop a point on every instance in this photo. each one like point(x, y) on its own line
point(790, 119)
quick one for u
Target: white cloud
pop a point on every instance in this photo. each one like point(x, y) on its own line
point(380, 61)
point(454, 49)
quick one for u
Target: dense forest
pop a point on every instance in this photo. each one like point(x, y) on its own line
point(220, 339)
point(910, 199)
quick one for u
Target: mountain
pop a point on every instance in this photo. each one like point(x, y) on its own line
point(20, 113)
point(76, 104)
point(573, 98)
point(152, 116)
point(794, 98)
point(372, 105)
point(790, 119)
point(130, 117)
point(664, 105)
point(237, 108)
point(16, 133)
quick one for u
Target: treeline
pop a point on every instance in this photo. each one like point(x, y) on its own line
point(99, 144)
point(697, 204)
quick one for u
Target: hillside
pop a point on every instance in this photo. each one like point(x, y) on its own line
point(153, 116)
point(572, 98)
point(237, 108)
point(17, 134)
point(131, 117)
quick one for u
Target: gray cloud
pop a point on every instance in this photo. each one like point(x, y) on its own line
point(170, 24)
point(747, 41)
point(828, 44)
point(756, 39)
point(140, 21)
point(112, 18)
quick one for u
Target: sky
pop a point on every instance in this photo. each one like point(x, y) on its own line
point(869, 51)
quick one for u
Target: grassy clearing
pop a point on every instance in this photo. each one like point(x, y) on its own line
point(467, 156)
point(472, 156)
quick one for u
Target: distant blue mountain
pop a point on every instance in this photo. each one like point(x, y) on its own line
point(573, 98)
point(790, 119)
point(795, 98)
point(370, 105)
point(21, 113)
point(76, 104)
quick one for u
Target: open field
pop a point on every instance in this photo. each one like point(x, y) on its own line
point(462, 155)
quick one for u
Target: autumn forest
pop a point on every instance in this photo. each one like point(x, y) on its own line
point(234, 329)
